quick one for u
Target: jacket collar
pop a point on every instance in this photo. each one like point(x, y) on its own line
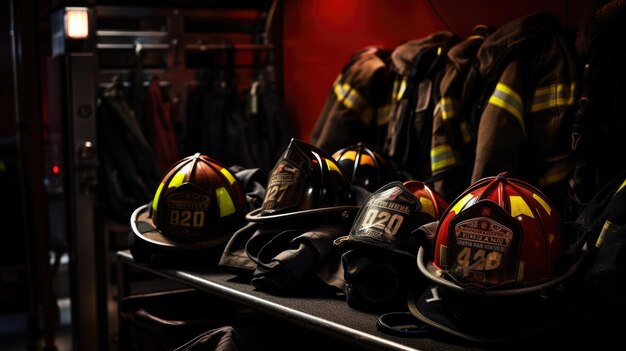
point(604, 15)
point(406, 57)
point(509, 38)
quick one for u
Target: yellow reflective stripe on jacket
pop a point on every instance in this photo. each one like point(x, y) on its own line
point(465, 132)
point(350, 97)
point(352, 100)
point(607, 229)
point(557, 173)
point(555, 95)
point(383, 115)
point(399, 88)
point(507, 99)
point(441, 156)
point(448, 107)
point(621, 187)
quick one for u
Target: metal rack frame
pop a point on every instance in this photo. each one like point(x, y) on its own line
point(80, 74)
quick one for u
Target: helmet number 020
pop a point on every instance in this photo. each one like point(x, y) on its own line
point(384, 220)
point(187, 218)
point(479, 259)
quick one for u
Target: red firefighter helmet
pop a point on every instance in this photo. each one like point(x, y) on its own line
point(433, 204)
point(500, 264)
point(500, 233)
point(198, 199)
point(365, 167)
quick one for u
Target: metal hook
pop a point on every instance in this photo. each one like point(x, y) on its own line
point(138, 48)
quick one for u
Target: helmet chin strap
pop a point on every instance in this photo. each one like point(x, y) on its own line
point(403, 324)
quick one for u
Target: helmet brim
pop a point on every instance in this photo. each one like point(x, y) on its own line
point(435, 275)
point(144, 229)
point(352, 241)
point(344, 212)
point(487, 320)
point(505, 315)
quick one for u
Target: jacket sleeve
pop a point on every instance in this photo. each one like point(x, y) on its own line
point(452, 147)
point(525, 126)
point(350, 109)
point(501, 137)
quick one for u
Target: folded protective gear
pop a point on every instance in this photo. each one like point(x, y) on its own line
point(291, 260)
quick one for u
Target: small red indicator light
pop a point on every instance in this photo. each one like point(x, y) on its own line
point(56, 169)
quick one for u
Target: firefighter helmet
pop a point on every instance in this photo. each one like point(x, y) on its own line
point(304, 181)
point(365, 167)
point(500, 264)
point(500, 233)
point(196, 208)
point(198, 199)
point(386, 220)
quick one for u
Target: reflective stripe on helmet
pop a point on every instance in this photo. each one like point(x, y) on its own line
point(520, 207)
point(507, 99)
point(228, 175)
point(520, 271)
point(458, 207)
point(441, 156)
point(348, 155)
point(367, 160)
point(555, 95)
point(155, 201)
point(224, 201)
point(178, 179)
point(543, 203)
point(428, 206)
point(331, 165)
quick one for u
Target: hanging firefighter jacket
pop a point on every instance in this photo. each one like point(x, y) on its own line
point(605, 278)
point(598, 134)
point(269, 130)
point(518, 96)
point(452, 143)
point(215, 122)
point(130, 169)
point(416, 63)
point(606, 212)
point(356, 107)
point(159, 127)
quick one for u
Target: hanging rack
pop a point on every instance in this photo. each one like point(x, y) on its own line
point(166, 32)
point(146, 46)
point(204, 47)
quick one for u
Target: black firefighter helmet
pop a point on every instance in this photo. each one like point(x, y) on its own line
point(305, 181)
point(365, 167)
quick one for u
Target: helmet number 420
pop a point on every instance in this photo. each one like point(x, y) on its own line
point(479, 260)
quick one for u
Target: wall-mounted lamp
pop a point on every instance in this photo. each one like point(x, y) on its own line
point(76, 23)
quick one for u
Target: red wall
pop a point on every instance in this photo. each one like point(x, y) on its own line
point(321, 35)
